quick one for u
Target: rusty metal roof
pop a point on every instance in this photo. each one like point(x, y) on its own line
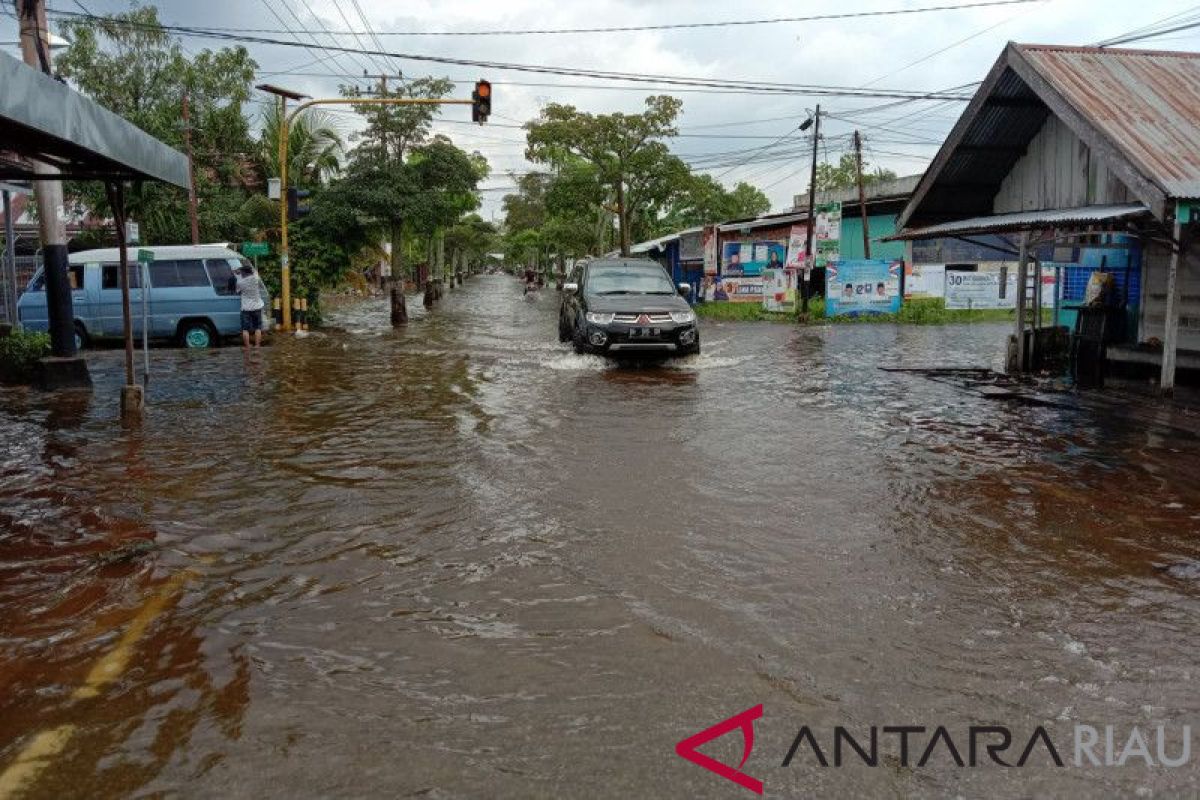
point(1147, 103)
point(1059, 218)
point(1138, 110)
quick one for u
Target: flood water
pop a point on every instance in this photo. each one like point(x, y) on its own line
point(461, 561)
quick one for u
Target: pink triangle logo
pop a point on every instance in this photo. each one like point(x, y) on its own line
point(744, 721)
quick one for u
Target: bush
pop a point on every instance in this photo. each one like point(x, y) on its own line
point(19, 354)
point(739, 312)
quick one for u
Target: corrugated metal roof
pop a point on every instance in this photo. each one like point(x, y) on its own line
point(659, 243)
point(1026, 220)
point(762, 222)
point(1147, 103)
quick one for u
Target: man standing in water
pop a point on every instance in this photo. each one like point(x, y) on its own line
point(250, 288)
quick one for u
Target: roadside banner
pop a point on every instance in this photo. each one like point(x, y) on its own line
point(795, 248)
point(862, 287)
point(779, 289)
point(972, 290)
point(924, 280)
point(710, 250)
point(827, 233)
point(749, 259)
point(739, 290)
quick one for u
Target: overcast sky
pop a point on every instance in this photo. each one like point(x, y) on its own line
point(927, 51)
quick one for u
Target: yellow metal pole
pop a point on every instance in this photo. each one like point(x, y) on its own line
point(285, 271)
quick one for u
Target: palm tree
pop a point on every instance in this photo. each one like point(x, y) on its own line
point(315, 147)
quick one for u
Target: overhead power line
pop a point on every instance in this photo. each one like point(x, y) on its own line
point(771, 87)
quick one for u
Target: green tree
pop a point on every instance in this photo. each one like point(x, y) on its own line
point(704, 201)
point(844, 174)
point(131, 66)
point(626, 151)
point(431, 189)
point(393, 130)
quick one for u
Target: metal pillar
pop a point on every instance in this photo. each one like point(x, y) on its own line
point(1166, 382)
point(10, 262)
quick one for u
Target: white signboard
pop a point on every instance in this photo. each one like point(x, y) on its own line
point(973, 290)
point(925, 280)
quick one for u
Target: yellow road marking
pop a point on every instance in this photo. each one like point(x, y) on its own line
point(47, 745)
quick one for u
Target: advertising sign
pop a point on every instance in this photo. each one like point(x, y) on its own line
point(924, 280)
point(981, 289)
point(828, 232)
point(861, 287)
point(779, 289)
point(738, 290)
point(749, 259)
point(795, 249)
point(710, 250)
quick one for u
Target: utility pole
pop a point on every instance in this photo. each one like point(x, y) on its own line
point(35, 50)
point(187, 141)
point(862, 195)
point(812, 215)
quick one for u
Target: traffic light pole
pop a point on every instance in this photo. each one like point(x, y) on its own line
point(285, 270)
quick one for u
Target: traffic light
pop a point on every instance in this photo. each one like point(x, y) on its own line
point(481, 101)
point(295, 210)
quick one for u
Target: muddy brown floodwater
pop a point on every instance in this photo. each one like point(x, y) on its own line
point(462, 561)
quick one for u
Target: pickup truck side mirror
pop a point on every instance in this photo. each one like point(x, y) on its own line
point(685, 289)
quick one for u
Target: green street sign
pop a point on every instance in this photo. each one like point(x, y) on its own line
point(145, 256)
point(252, 249)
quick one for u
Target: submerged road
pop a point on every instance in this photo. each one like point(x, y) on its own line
point(460, 560)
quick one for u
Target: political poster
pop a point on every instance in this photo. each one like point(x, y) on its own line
point(827, 232)
point(862, 287)
point(749, 259)
point(739, 290)
point(710, 250)
point(797, 240)
point(779, 289)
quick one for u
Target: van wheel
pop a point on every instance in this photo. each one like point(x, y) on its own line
point(82, 340)
point(198, 335)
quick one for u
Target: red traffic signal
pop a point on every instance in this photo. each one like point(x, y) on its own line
point(481, 101)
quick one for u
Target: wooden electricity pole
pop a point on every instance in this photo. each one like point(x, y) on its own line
point(862, 195)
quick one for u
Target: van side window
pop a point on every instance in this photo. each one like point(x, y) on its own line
point(191, 273)
point(110, 278)
point(219, 272)
point(75, 275)
point(176, 274)
point(39, 283)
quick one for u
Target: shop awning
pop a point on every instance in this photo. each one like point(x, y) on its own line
point(44, 120)
point(1060, 218)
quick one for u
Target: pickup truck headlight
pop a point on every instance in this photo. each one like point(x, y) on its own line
point(682, 317)
point(599, 319)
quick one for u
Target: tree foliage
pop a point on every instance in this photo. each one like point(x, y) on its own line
point(132, 67)
point(844, 174)
point(705, 201)
point(625, 151)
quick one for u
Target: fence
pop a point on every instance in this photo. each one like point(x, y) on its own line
point(13, 283)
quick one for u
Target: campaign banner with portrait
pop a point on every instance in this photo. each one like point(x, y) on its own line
point(710, 249)
point(738, 290)
point(797, 240)
point(749, 259)
point(827, 231)
point(779, 289)
point(862, 287)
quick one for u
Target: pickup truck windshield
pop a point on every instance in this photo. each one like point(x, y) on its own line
point(626, 279)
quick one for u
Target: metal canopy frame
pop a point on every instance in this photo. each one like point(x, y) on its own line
point(46, 121)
